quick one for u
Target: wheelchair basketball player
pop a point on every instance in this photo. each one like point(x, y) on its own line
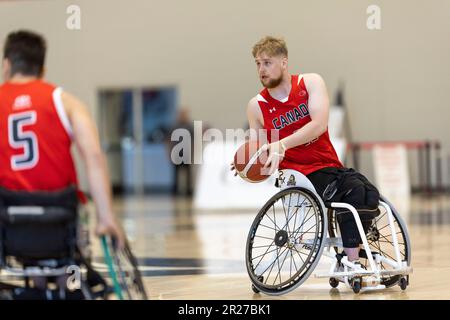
point(38, 124)
point(297, 107)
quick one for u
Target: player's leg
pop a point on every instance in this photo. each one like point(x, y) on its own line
point(357, 191)
point(346, 185)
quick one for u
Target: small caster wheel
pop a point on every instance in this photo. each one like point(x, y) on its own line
point(356, 285)
point(333, 282)
point(254, 288)
point(403, 283)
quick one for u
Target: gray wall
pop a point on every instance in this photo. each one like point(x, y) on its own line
point(397, 79)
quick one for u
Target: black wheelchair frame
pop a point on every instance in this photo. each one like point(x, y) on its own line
point(41, 257)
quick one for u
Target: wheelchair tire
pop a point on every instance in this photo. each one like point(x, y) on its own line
point(403, 283)
point(302, 243)
point(334, 283)
point(255, 289)
point(124, 272)
point(356, 285)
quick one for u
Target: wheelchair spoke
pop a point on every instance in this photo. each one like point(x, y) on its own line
point(289, 207)
point(286, 214)
point(312, 232)
point(383, 227)
point(307, 231)
point(387, 241)
point(273, 264)
point(295, 214)
point(377, 246)
point(263, 225)
point(279, 268)
point(305, 218)
point(263, 254)
point(258, 247)
point(309, 261)
point(289, 210)
point(390, 257)
point(298, 253)
point(290, 264)
point(297, 231)
point(379, 218)
point(256, 236)
point(293, 260)
point(253, 258)
point(271, 267)
point(275, 219)
point(400, 243)
point(267, 215)
point(278, 262)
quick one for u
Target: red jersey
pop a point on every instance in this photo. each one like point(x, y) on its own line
point(289, 116)
point(35, 138)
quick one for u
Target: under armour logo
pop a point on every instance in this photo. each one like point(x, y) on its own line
point(272, 110)
point(23, 101)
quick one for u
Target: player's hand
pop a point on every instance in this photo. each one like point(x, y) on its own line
point(233, 168)
point(111, 228)
point(276, 155)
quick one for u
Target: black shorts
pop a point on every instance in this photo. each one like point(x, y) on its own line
point(347, 185)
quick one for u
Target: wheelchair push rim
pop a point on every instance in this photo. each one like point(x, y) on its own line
point(285, 241)
point(123, 270)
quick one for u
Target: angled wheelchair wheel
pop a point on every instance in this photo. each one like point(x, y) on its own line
point(379, 238)
point(123, 270)
point(285, 241)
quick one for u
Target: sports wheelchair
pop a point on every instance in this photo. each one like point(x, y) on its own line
point(45, 253)
point(295, 228)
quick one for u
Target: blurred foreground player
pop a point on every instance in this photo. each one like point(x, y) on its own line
point(38, 123)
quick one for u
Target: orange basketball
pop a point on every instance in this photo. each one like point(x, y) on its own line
point(249, 161)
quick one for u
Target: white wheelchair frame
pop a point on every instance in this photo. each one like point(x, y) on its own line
point(366, 280)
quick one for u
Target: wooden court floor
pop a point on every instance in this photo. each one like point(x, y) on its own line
point(188, 254)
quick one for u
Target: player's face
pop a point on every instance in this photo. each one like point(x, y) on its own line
point(270, 69)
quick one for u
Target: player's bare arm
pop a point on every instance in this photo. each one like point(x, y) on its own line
point(255, 122)
point(87, 140)
point(255, 119)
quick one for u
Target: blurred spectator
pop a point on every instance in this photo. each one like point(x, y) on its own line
point(183, 184)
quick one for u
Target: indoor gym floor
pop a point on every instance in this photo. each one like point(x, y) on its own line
point(190, 254)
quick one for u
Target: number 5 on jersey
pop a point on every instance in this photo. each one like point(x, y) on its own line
point(24, 140)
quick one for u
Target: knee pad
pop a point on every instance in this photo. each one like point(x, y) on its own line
point(372, 196)
point(364, 197)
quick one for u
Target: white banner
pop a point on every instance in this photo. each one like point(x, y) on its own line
point(392, 175)
point(218, 188)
